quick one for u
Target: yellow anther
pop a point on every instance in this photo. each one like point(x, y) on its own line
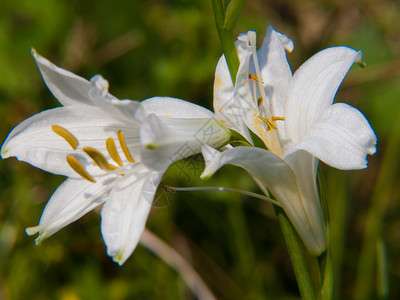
point(253, 77)
point(270, 123)
point(112, 150)
point(99, 159)
point(78, 168)
point(260, 101)
point(124, 147)
point(278, 119)
point(66, 135)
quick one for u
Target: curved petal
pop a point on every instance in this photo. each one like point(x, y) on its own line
point(341, 137)
point(275, 69)
point(68, 88)
point(167, 140)
point(174, 108)
point(232, 104)
point(124, 215)
point(35, 142)
point(282, 181)
point(313, 88)
point(72, 199)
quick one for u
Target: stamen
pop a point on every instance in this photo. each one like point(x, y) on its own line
point(112, 150)
point(278, 119)
point(124, 147)
point(66, 135)
point(78, 168)
point(253, 77)
point(99, 159)
point(270, 124)
point(259, 101)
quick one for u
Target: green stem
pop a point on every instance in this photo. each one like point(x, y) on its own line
point(296, 255)
point(226, 38)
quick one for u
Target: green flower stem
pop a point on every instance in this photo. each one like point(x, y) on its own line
point(296, 255)
point(226, 38)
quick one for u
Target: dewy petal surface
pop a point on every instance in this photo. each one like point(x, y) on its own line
point(341, 138)
point(299, 202)
point(34, 141)
point(314, 87)
point(124, 215)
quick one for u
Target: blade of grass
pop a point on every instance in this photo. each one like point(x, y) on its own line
point(374, 225)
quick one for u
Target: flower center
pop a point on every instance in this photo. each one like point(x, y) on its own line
point(98, 158)
point(264, 117)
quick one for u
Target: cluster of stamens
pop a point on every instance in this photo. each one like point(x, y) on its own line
point(98, 158)
point(268, 121)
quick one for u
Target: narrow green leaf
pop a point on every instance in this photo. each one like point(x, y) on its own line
point(226, 38)
point(232, 13)
point(382, 271)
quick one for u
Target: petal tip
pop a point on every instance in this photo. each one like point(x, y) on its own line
point(119, 259)
point(32, 230)
point(33, 52)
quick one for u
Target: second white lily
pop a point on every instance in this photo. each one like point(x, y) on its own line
point(294, 117)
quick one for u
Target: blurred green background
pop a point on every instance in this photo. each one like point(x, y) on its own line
point(170, 48)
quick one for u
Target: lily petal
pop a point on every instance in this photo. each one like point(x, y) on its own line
point(124, 215)
point(341, 137)
point(233, 104)
point(167, 140)
point(68, 88)
point(72, 199)
point(275, 69)
point(174, 108)
point(313, 89)
point(281, 180)
point(35, 142)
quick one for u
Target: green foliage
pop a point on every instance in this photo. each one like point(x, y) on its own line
point(149, 48)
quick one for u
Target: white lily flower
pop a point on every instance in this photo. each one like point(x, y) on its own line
point(99, 143)
point(295, 118)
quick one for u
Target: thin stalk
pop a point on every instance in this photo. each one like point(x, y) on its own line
point(226, 39)
point(179, 263)
point(295, 250)
point(223, 189)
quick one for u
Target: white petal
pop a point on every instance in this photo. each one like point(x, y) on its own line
point(313, 88)
point(275, 68)
point(232, 111)
point(167, 140)
point(276, 73)
point(68, 88)
point(341, 137)
point(73, 199)
point(300, 202)
point(35, 142)
point(174, 108)
point(124, 215)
